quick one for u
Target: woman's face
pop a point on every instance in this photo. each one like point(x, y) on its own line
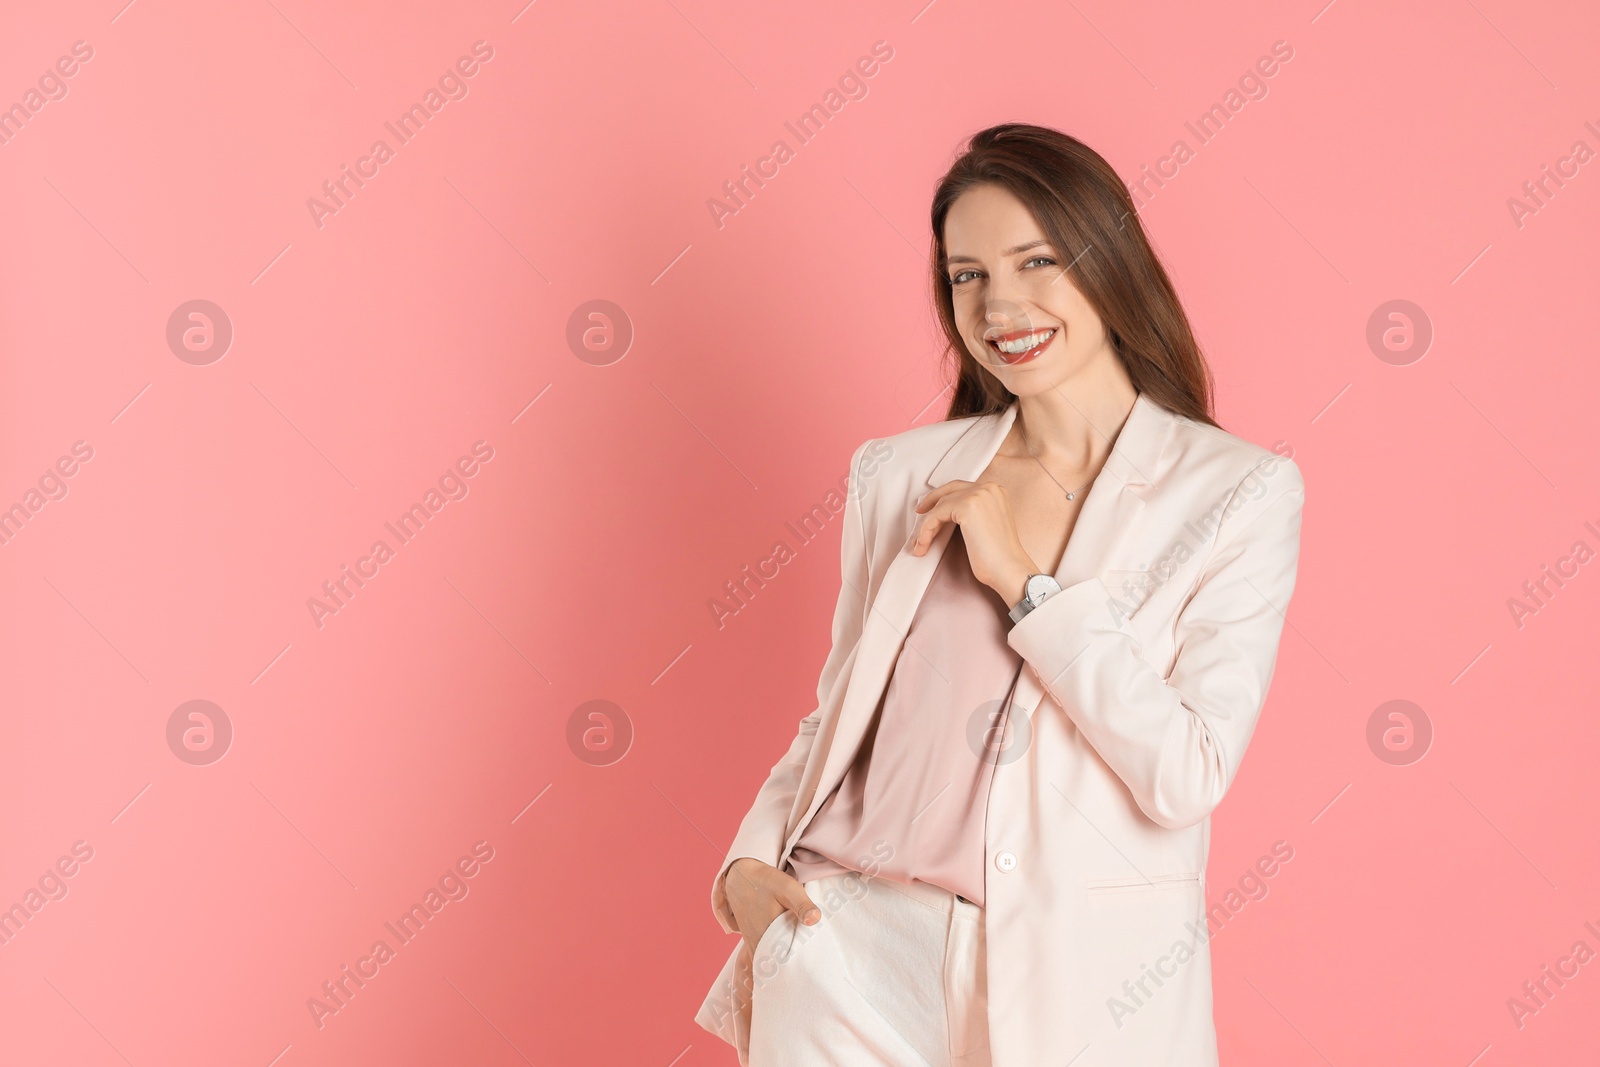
point(1021, 317)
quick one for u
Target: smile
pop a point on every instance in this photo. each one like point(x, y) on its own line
point(1020, 346)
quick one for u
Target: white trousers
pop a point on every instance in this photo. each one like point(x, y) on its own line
point(892, 975)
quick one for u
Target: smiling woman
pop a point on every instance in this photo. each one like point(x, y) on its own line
point(1079, 253)
point(1010, 567)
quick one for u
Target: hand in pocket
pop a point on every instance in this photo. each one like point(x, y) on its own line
point(758, 893)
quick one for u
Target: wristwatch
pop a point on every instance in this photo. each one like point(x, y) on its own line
point(1037, 589)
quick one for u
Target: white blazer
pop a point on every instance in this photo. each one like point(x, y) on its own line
point(1142, 683)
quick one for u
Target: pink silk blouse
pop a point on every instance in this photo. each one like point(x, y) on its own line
point(917, 791)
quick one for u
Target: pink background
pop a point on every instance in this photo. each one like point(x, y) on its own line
point(432, 711)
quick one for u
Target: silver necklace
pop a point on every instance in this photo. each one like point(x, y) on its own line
point(1072, 494)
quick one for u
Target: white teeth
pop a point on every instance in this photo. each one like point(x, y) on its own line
point(1022, 344)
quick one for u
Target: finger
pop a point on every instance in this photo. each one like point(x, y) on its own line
point(929, 529)
point(796, 899)
point(939, 493)
point(945, 510)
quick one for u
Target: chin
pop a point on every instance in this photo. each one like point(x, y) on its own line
point(1032, 383)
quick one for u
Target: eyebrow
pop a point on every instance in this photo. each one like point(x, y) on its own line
point(1008, 252)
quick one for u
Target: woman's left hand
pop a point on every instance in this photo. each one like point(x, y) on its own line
point(983, 511)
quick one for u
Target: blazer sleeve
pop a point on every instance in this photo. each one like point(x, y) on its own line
point(761, 834)
point(1176, 742)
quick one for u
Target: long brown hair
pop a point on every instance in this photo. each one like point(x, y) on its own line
point(1080, 203)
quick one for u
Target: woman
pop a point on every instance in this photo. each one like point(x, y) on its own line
point(1058, 620)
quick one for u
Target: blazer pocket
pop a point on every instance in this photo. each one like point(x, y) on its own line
point(1154, 883)
point(763, 942)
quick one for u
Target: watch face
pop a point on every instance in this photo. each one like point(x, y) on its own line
point(1039, 585)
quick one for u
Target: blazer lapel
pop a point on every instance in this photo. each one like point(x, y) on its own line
point(1111, 506)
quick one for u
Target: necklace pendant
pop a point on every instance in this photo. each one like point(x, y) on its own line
point(1071, 497)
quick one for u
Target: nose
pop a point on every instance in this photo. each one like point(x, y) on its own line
point(1002, 316)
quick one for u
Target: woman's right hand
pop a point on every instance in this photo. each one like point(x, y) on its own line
point(758, 893)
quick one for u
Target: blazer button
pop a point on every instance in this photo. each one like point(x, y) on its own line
point(1006, 861)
